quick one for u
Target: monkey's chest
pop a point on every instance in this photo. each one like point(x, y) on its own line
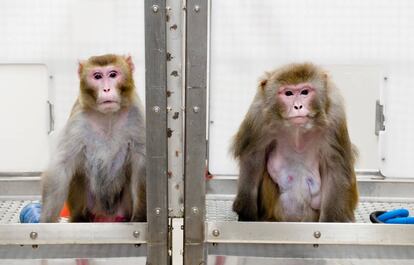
point(105, 161)
point(299, 182)
point(106, 166)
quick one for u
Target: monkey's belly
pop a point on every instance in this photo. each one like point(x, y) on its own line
point(299, 187)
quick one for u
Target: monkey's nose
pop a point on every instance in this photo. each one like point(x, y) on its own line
point(107, 89)
point(298, 106)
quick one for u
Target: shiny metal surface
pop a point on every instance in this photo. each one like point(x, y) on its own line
point(73, 233)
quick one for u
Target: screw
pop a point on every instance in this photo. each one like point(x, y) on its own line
point(195, 210)
point(33, 235)
point(382, 159)
point(156, 109)
point(196, 109)
point(196, 8)
point(136, 234)
point(385, 78)
point(157, 211)
point(155, 8)
point(216, 232)
point(317, 234)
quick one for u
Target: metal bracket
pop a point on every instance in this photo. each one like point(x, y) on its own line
point(379, 118)
point(51, 117)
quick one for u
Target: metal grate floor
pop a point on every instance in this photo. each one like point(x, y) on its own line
point(10, 210)
point(220, 208)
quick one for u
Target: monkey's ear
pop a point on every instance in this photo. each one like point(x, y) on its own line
point(131, 65)
point(325, 77)
point(80, 69)
point(263, 81)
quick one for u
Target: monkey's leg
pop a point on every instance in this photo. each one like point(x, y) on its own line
point(339, 196)
point(77, 200)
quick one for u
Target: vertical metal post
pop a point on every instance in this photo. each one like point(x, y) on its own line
point(156, 117)
point(175, 92)
point(195, 132)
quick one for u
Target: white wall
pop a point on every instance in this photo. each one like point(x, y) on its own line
point(249, 37)
point(58, 34)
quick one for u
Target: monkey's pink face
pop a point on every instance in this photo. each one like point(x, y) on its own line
point(105, 81)
point(297, 101)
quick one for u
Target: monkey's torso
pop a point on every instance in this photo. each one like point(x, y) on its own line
point(107, 146)
point(294, 167)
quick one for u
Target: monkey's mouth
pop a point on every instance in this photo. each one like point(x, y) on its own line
point(108, 102)
point(299, 119)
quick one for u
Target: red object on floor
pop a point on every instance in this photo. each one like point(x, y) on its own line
point(65, 211)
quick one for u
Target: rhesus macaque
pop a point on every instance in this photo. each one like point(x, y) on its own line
point(294, 152)
point(98, 166)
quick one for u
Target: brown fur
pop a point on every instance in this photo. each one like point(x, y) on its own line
point(257, 197)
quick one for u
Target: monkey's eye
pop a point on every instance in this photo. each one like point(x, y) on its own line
point(305, 92)
point(288, 93)
point(97, 76)
point(113, 74)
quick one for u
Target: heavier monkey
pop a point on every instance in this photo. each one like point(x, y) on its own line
point(296, 159)
point(99, 163)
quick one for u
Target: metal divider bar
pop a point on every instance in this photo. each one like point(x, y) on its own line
point(73, 234)
point(156, 131)
point(310, 233)
point(310, 240)
point(195, 132)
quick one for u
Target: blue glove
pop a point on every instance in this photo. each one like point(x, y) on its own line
point(393, 214)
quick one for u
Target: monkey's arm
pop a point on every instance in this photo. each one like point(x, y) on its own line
point(339, 187)
point(251, 174)
point(138, 187)
point(249, 148)
point(55, 187)
point(57, 178)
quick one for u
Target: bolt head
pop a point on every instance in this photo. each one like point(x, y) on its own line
point(197, 8)
point(33, 235)
point(135, 234)
point(157, 211)
point(196, 109)
point(194, 210)
point(156, 109)
point(317, 234)
point(216, 232)
point(155, 8)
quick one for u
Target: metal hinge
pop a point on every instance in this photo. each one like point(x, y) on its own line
point(51, 117)
point(379, 118)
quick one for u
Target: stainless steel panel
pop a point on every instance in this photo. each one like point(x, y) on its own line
point(73, 233)
point(79, 251)
point(310, 233)
point(156, 116)
point(175, 85)
point(195, 131)
point(18, 186)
